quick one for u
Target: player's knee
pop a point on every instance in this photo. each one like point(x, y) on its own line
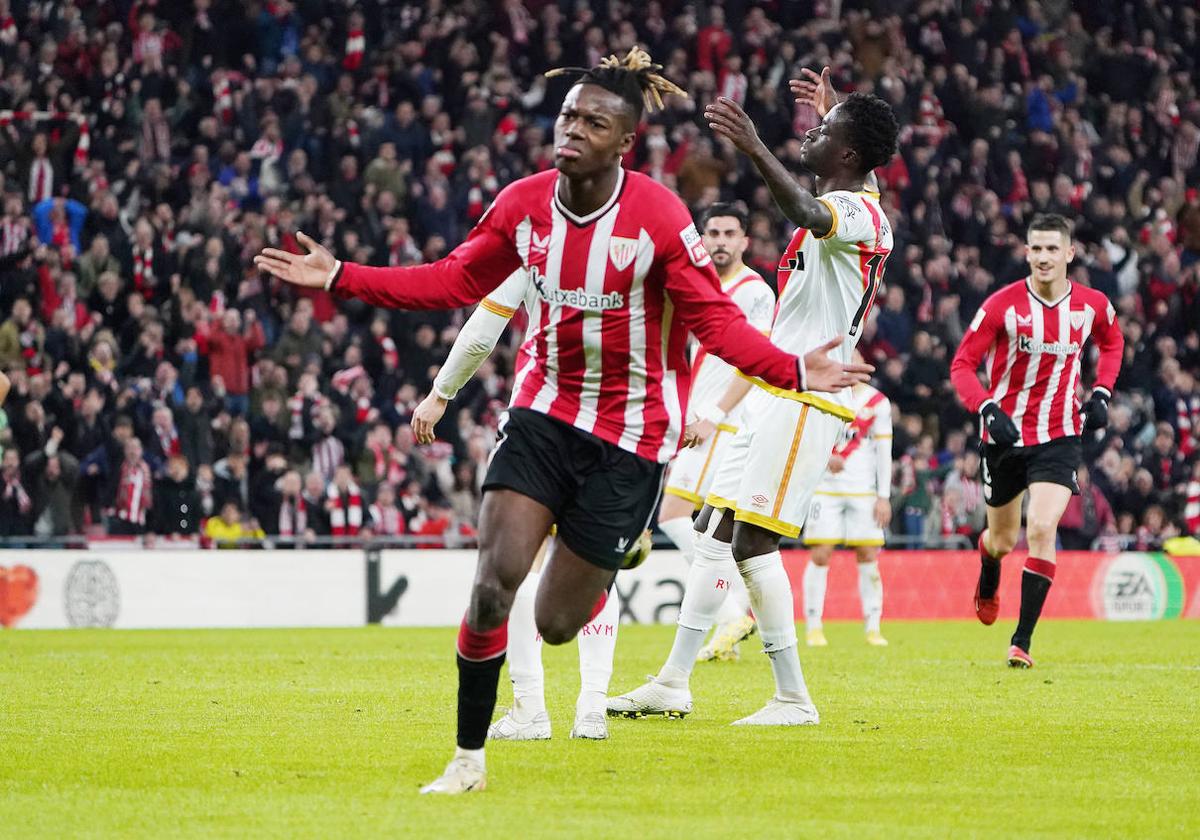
point(490, 603)
point(1040, 531)
point(820, 555)
point(1002, 542)
point(555, 630)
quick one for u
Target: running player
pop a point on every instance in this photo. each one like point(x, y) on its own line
point(621, 277)
point(1033, 332)
point(714, 415)
point(828, 277)
point(527, 718)
point(851, 507)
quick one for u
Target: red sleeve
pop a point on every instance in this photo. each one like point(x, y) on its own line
point(711, 315)
point(474, 268)
point(980, 338)
point(255, 339)
point(1106, 329)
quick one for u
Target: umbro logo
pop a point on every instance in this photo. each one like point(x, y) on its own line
point(759, 500)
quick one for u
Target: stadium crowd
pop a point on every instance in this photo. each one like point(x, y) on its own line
point(149, 150)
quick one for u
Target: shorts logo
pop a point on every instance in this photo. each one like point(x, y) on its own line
point(622, 250)
point(759, 500)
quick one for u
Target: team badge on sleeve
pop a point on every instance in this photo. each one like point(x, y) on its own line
point(696, 251)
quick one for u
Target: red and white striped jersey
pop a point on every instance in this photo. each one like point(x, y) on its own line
point(1033, 352)
point(865, 446)
point(616, 294)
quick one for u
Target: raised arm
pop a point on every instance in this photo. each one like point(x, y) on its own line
point(802, 208)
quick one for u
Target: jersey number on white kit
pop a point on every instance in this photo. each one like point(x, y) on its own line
point(874, 276)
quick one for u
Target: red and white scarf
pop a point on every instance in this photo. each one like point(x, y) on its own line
point(356, 43)
point(345, 514)
point(41, 180)
point(387, 520)
point(133, 492)
point(1191, 507)
point(293, 517)
point(1187, 409)
point(8, 30)
point(13, 235)
point(168, 439)
point(143, 271)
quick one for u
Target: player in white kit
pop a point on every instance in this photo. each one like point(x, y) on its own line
point(828, 278)
point(714, 410)
point(851, 507)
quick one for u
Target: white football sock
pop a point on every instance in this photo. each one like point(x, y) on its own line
point(707, 588)
point(870, 590)
point(474, 755)
point(682, 533)
point(737, 604)
point(771, 599)
point(815, 578)
point(525, 652)
point(597, 641)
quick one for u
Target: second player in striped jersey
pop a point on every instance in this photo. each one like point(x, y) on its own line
point(851, 507)
point(1033, 333)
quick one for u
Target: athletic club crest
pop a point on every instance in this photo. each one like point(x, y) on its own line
point(622, 250)
point(1077, 319)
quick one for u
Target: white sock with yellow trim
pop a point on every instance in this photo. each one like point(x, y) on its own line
point(815, 579)
point(771, 598)
point(870, 590)
point(525, 652)
point(707, 588)
point(682, 533)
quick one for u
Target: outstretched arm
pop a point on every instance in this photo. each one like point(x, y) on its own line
point(804, 209)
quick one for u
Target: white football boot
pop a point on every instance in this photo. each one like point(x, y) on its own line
point(463, 774)
point(511, 728)
point(592, 726)
point(782, 713)
point(653, 698)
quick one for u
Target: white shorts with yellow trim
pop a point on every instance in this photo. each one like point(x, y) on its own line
point(842, 519)
point(693, 469)
point(769, 473)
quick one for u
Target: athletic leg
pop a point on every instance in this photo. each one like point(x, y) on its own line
point(1047, 502)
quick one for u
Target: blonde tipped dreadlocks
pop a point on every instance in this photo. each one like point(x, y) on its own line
point(635, 78)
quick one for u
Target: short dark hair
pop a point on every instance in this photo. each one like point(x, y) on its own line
point(1052, 221)
point(871, 129)
point(726, 209)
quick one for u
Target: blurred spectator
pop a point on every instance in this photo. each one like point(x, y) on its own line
point(177, 506)
point(135, 494)
point(226, 530)
point(1087, 517)
point(16, 505)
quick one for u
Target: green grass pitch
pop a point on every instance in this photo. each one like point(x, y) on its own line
point(319, 733)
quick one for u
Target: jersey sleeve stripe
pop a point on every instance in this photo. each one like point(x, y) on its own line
point(834, 227)
point(497, 309)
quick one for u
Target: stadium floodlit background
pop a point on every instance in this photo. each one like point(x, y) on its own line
point(149, 150)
